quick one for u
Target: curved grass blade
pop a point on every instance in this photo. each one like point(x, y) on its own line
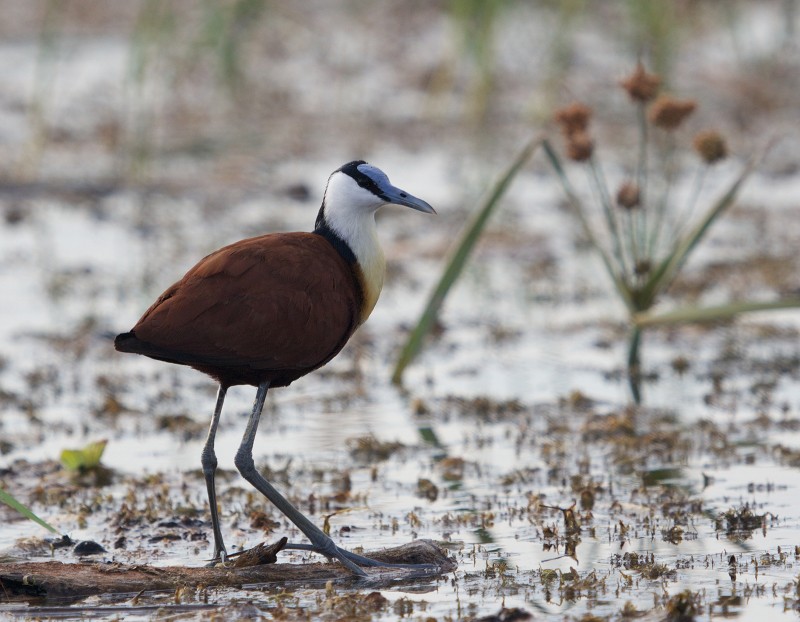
point(458, 259)
point(711, 314)
point(16, 505)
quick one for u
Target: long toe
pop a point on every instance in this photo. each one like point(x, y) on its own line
point(375, 563)
point(220, 558)
point(355, 558)
point(348, 563)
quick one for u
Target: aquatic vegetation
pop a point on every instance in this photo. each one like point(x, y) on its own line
point(458, 259)
point(25, 511)
point(644, 234)
point(84, 459)
point(684, 606)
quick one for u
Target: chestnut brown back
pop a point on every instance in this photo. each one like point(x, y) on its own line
point(274, 307)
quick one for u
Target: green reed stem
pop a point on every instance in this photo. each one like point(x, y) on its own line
point(666, 271)
point(578, 210)
point(662, 206)
point(642, 179)
point(682, 222)
point(601, 189)
point(635, 364)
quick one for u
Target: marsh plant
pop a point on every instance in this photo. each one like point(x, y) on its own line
point(642, 227)
point(10, 501)
point(77, 460)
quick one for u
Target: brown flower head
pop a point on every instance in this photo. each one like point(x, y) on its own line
point(668, 112)
point(580, 146)
point(628, 195)
point(642, 267)
point(711, 146)
point(573, 118)
point(641, 86)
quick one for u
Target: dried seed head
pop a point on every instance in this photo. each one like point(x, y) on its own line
point(628, 195)
point(643, 267)
point(680, 364)
point(711, 146)
point(580, 146)
point(668, 112)
point(641, 86)
point(574, 122)
point(573, 118)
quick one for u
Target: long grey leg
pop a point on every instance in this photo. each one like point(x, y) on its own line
point(209, 462)
point(244, 462)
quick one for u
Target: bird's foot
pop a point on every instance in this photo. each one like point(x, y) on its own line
point(220, 559)
point(356, 559)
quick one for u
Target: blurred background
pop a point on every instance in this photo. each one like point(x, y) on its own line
point(217, 94)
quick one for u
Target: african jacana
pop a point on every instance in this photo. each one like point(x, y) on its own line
point(267, 310)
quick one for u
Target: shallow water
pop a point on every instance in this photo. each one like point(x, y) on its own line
point(517, 457)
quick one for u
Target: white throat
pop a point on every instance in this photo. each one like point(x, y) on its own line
point(350, 214)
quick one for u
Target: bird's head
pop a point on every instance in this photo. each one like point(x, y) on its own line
point(346, 219)
point(358, 189)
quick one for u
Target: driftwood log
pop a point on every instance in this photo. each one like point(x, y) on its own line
point(57, 579)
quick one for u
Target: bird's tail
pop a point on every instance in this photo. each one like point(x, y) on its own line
point(127, 342)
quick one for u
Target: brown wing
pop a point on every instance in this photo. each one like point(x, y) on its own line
point(275, 302)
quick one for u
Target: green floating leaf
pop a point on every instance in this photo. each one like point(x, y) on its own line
point(27, 513)
point(458, 259)
point(83, 459)
point(428, 435)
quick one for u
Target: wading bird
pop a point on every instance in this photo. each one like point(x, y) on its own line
point(267, 310)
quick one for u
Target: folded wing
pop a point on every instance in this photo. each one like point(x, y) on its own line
point(276, 303)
